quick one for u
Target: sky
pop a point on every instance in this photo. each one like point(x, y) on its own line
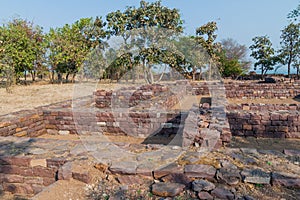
point(238, 19)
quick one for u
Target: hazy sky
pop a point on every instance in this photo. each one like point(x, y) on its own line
point(238, 19)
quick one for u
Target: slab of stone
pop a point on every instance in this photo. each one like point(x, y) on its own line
point(167, 189)
point(200, 171)
point(286, 180)
point(131, 180)
point(126, 168)
point(249, 151)
point(205, 196)
point(202, 185)
point(65, 171)
point(222, 193)
point(169, 169)
point(291, 152)
point(256, 176)
point(228, 175)
point(177, 178)
point(271, 152)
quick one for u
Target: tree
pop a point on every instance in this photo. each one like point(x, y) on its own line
point(233, 58)
point(22, 43)
point(145, 28)
point(290, 46)
point(263, 52)
point(70, 45)
point(294, 14)
point(231, 66)
point(206, 36)
point(193, 55)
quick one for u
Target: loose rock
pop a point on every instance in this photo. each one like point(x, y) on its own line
point(167, 189)
point(200, 185)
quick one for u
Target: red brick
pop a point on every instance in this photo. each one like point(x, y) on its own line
point(14, 160)
point(18, 188)
point(56, 162)
point(43, 171)
point(11, 178)
point(48, 181)
point(83, 177)
point(12, 169)
point(37, 188)
point(33, 180)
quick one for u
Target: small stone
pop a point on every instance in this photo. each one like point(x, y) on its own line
point(222, 193)
point(255, 176)
point(199, 185)
point(247, 197)
point(167, 189)
point(61, 132)
point(227, 164)
point(205, 196)
point(102, 124)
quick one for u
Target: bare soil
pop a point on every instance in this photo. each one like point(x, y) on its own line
point(24, 97)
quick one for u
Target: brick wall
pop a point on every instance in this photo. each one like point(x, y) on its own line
point(252, 90)
point(24, 123)
point(20, 175)
point(137, 97)
point(267, 124)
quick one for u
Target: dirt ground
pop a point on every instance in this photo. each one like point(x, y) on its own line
point(25, 97)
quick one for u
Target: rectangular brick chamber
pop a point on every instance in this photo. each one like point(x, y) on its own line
point(259, 120)
point(19, 175)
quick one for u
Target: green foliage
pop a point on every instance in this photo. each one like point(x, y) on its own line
point(192, 55)
point(231, 67)
point(206, 36)
point(23, 46)
point(70, 45)
point(233, 61)
point(290, 46)
point(294, 14)
point(144, 27)
point(263, 52)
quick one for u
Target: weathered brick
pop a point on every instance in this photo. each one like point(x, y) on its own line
point(15, 160)
point(48, 181)
point(43, 171)
point(11, 178)
point(18, 188)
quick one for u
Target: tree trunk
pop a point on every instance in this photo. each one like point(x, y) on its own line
point(73, 78)
point(162, 74)
point(59, 77)
point(67, 77)
point(289, 67)
point(194, 74)
point(33, 74)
